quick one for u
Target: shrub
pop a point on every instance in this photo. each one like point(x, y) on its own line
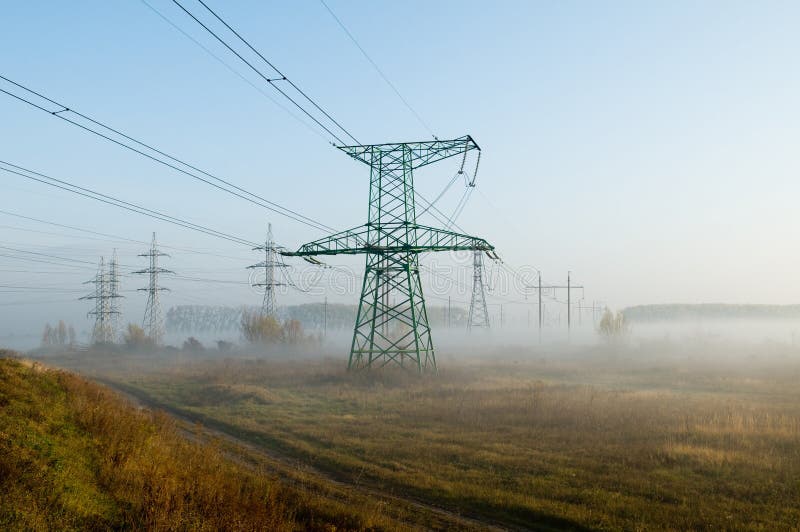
point(259, 329)
point(613, 327)
point(135, 337)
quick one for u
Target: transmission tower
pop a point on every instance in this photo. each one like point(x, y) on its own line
point(269, 264)
point(152, 322)
point(392, 321)
point(103, 330)
point(478, 313)
point(113, 289)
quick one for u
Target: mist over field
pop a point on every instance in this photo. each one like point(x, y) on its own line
point(368, 266)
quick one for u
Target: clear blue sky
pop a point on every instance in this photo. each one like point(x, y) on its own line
point(648, 147)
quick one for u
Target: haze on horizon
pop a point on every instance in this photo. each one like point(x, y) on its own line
point(650, 149)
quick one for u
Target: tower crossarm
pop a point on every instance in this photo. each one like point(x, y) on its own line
point(391, 238)
point(151, 270)
point(417, 154)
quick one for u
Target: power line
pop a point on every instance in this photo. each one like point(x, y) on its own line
point(29, 259)
point(231, 69)
point(110, 200)
point(378, 70)
point(430, 205)
point(286, 79)
point(111, 237)
point(159, 156)
point(270, 81)
point(27, 302)
point(46, 255)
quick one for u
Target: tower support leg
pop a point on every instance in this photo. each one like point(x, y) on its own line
point(392, 323)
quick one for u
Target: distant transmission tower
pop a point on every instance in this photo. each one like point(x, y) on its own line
point(152, 322)
point(478, 313)
point(392, 321)
point(269, 264)
point(103, 330)
point(114, 295)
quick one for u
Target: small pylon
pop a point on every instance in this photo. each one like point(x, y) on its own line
point(152, 322)
point(114, 295)
point(102, 332)
point(478, 313)
point(271, 262)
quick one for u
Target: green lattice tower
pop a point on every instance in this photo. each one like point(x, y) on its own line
point(392, 322)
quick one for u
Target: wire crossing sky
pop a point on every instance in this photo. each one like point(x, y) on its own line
point(650, 149)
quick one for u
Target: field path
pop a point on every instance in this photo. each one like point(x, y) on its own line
point(415, 512)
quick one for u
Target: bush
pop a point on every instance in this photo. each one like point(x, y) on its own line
point(613, 327)
point(259, 329)
point(136, 338)
point(193, 345)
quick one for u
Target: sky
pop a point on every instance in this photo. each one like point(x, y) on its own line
point(648, 148)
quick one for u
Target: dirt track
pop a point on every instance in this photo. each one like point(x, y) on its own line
point(413, 512)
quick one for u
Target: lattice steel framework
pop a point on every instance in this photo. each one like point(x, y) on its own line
point(478, 313)
point(392, 321)
point(114, 293)
point(152, 322)
point(104, 309)
point(270, 265)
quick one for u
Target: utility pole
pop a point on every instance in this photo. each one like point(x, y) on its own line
point(449, 315)
point(269, 264)
point(392, 241)
point(540, 305)
point(152, 322)
point(102, 332)
point(569, 286)
point(595, 308)
point(569, 304)
point(478, 313)
point(325, 318)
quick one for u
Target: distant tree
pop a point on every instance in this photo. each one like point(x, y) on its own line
point(61, 333)
point(258, 329)
point(224, 347)
point(136, 338)
point(613, 327)
point(292, 332)
point(47, 336)
point(193, 345)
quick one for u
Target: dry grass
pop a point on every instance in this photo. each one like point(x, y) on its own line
point(75, 456)
point(603, 443)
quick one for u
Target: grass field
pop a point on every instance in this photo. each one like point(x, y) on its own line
point(77, 456)
point(594, 440)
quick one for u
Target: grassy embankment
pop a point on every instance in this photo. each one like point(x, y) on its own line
point(606, 444)
point(76, 456)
